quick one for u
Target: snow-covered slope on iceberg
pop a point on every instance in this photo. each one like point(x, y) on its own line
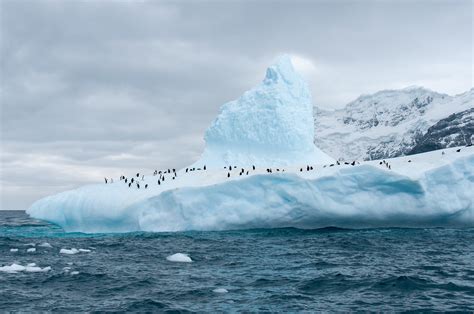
point(433, 189)
point(270, 125)
point(386, 124)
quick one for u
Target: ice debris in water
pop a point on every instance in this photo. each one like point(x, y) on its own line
point(73, 251)
point(74, 273)
point(69, 252)
point(180, 258)
point(31, 250)
point(220, 290)
point(30, 268)
point(13, 250)
point(45, 244)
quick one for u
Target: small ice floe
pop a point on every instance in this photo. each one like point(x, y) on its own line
point(70, 263)
point(85, 250)
point(73, 273)
point(69, 251)
point(14, 250)
point(45, 244)
point(30, 268)
point(180, 258)
point(31, 250)
point(220, 290)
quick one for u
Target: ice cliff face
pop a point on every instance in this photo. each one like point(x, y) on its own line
point(388, 123)
point(270, 125)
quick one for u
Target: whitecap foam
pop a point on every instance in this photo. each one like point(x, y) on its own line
point(45, 244)
point(14, 250)
point(31, 250)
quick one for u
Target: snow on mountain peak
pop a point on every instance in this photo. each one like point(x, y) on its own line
point(385, 124)
point(269, 125)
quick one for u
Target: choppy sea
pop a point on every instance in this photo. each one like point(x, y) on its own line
point(276, 270)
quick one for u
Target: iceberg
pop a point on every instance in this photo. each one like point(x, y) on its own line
point(271, 127)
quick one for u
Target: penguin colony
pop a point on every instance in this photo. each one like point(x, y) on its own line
point(231, 171)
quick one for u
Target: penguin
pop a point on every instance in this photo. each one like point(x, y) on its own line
point(225, 167)
point(131, 180)
point(240, 173)
point(126, 180)
point(159, 182)
point(353, 163)
point(338, 163)
point(173, 178)
point(230, 167)
point(307, 168)
point(253, 167)
point(409, 160)
point(130, 184)
point(138, 175)
point(247, 173)
point(169, 171)
point(204, 167)
point(311, 168)
point(105, 180)
point(146, 186)
point(228, 174)
point(331, 165)
point(380, 163)
point(346, 163)
point(186, 169)
point(235, 167)
point(278, 169)
point(458, 150)
point(301, 169)
point(138, 185)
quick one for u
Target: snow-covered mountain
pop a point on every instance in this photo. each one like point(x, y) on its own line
point(388, 124)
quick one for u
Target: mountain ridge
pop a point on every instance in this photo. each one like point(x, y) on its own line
point(388, 123)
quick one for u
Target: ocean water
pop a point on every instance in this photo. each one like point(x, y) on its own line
point(276, 270)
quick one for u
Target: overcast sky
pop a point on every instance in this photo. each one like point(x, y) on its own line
point(100, 88)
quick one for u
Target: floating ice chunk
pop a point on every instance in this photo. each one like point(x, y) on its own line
point(180, 258)
point(84, 250)
point(45, 244)
point(220, 290)
point(69, 252)
point(70, 263)
point(13, 250)
point(31, 250)
point(31, 268)
point(35, 269)
point(13, 268)
point(74, 273)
